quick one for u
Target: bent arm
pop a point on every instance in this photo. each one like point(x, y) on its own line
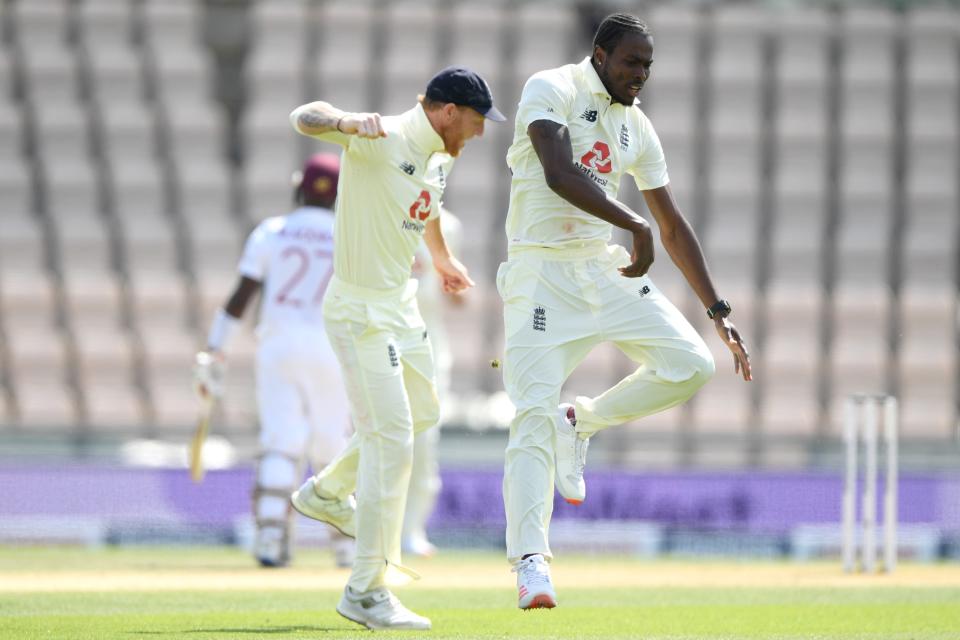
point(316, 118)
point(319, 118)
point(551, 141)
point(681, 243)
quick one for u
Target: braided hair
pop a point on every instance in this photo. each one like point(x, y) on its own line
point(614, 27)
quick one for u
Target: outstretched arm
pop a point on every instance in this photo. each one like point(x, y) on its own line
point(684, 249)
point(318, 118)
point(551, 141)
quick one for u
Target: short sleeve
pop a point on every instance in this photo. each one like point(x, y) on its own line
point(544, 98)
point(650, 168)
point(253, 262)
point(367, 149)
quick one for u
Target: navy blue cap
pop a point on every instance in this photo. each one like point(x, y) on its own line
point(463, 87)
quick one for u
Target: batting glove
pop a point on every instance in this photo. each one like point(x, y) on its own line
point(209, 375)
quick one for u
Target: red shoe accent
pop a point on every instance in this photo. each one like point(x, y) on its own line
point(575, 503)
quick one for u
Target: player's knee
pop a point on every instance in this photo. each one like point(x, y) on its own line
point(704, 367)
point(534, 427)
point(690, 372)
point(276, 470)
point(426, 415)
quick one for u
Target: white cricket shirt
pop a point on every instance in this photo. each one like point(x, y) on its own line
point(389, 188)
point(608, 138)
point(292, 256)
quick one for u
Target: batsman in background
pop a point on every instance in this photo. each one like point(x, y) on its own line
point(425, 483)
point(395, 169)
point(579, 129)
point(301, 400)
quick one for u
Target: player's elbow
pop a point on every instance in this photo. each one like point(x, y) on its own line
point(295, 119)
point(557, 180)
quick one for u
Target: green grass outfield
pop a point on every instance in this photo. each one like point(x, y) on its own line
point(202, 593)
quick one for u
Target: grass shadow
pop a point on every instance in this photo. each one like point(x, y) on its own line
point(248, 630)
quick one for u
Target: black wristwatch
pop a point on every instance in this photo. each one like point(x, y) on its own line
point(720, 308)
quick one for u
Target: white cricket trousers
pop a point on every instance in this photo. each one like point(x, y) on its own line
point(558, 305)
point(387, 363)
point(303, 415)
point(300, 396)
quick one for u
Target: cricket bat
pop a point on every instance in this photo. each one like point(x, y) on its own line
point(199, 437)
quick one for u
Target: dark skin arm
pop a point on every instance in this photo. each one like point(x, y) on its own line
point(682, 245)
point(551, 141)
point(241, 296)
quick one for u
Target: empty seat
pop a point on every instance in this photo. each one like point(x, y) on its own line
point(113, 404)
point(345, 49)
point(476, 30)
point(676, 29)
point(149, 243)
point(159, 298)
point(93, 299)
point(42, 30)
point(548, 40)
point(176, 407)
point(410, 56)
point(83, 241)
point(46, 402)
point(27, 293)
point(21, 240)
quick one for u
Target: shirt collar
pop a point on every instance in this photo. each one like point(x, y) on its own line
point(595, 83)
point(418, 129)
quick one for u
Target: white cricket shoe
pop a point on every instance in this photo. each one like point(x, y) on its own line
point(534, 587)
point(339, 514)
point(271, 547)
point(571, 457)
point(379, 609)
point(418, 545)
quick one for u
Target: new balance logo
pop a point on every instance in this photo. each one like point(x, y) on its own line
point(392, 353)
point(644, 291)
point(407, 168)
point(624, 137)
point(539, 319)
point(590, 115)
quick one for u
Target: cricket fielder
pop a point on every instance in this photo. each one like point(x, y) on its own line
point(301, 400)
point(394, 170)
point(578, 130)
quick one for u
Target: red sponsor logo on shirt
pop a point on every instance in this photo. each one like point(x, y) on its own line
point(420, 209)
point(598, 158)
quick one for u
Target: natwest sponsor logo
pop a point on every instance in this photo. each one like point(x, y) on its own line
point(420, 209)
point(598, 158)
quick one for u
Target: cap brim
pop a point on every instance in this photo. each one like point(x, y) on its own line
point(494, 114)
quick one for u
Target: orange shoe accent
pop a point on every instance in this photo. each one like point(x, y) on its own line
point(575, 503)
point(542, 601)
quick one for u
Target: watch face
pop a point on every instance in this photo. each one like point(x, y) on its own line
point(720, 309)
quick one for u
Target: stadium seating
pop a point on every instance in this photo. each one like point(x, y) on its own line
point(124, 199)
